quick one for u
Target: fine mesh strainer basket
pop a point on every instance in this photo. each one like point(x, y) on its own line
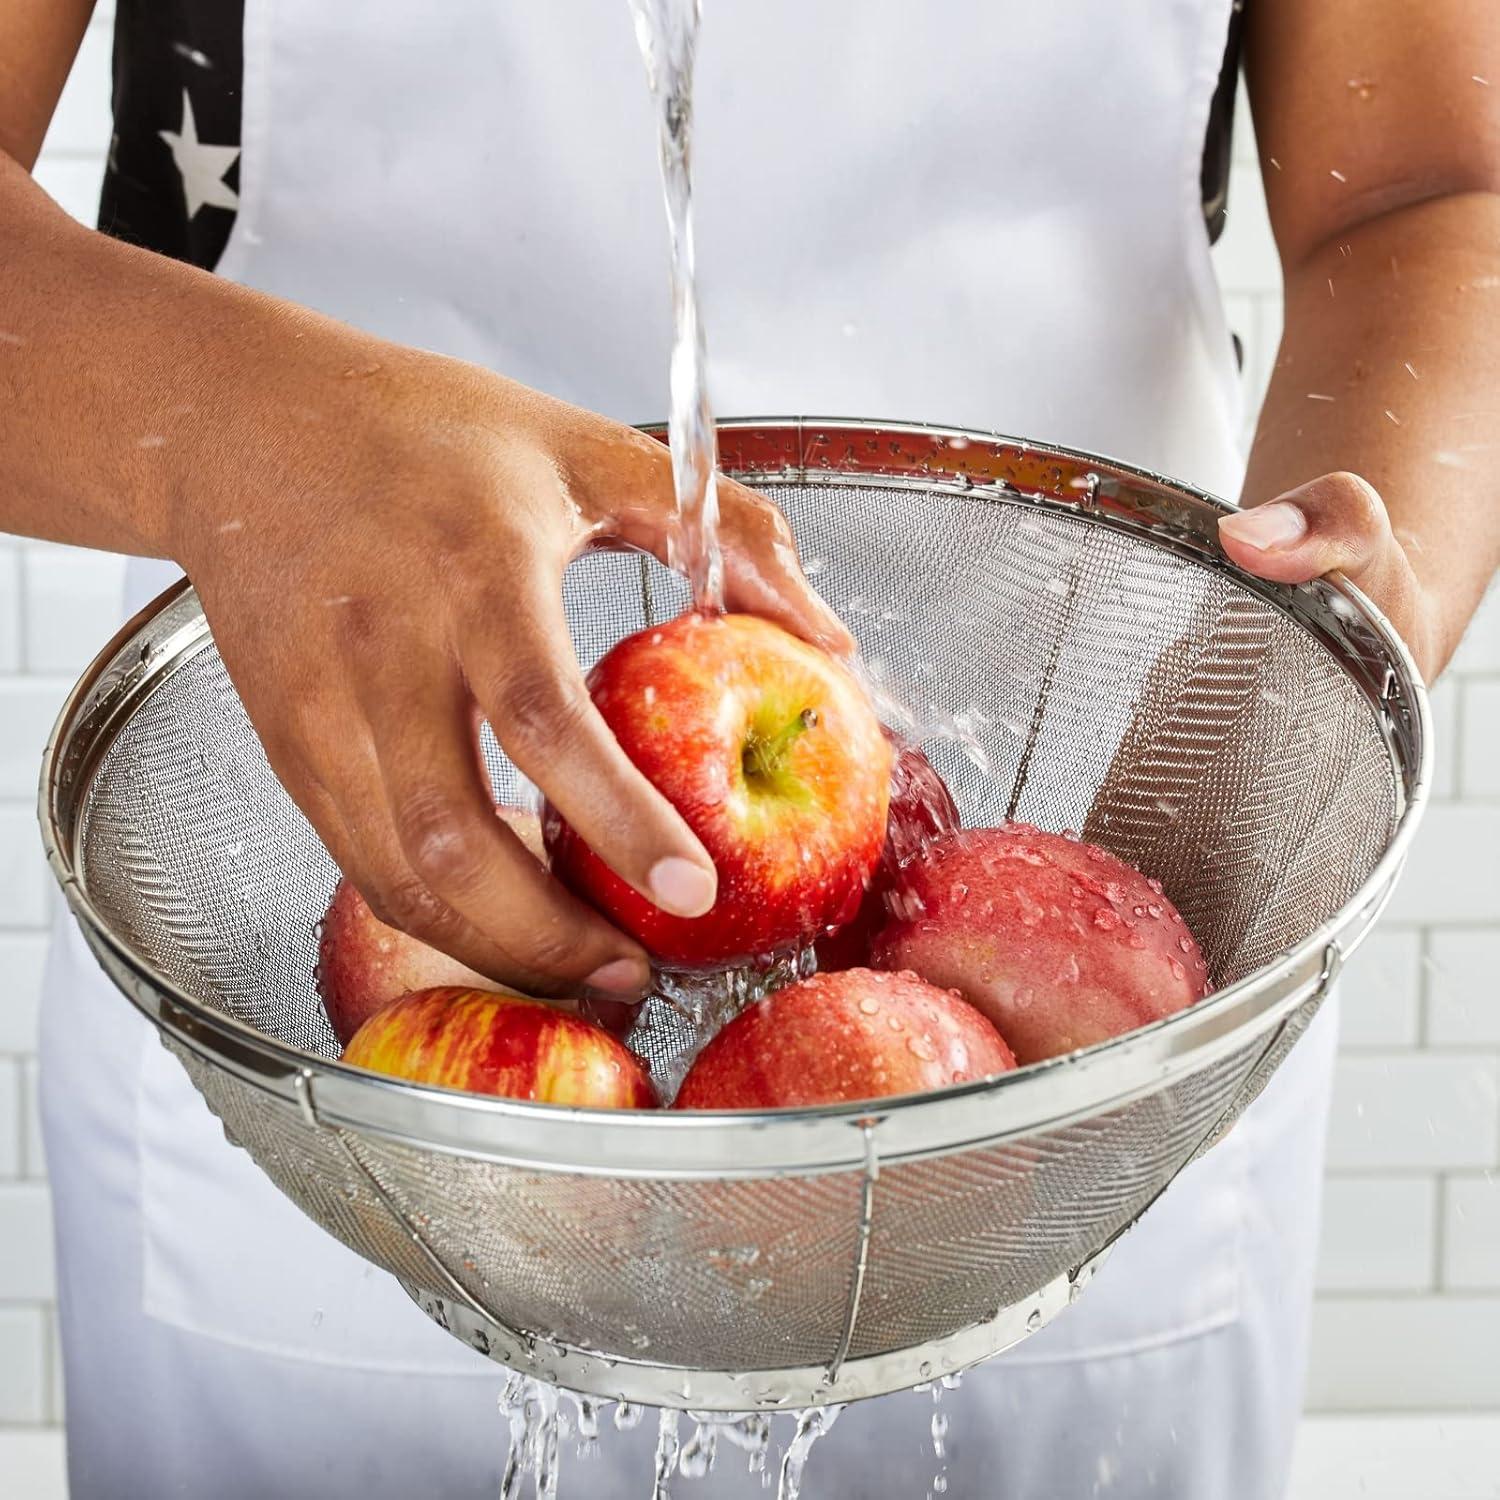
point(1064, 619)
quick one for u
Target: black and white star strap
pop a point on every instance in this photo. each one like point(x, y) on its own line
point(172, 179)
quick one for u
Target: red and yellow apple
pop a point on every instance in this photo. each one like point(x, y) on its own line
point(773, 755)
point(835, 1038)
point(921, 810)
point(1058, 942)
point(364, 964)
point(500, 1044)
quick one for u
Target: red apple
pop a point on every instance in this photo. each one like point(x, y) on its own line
point(841, 1037)
point(771, 752)
point(921, 810)
point(364, 964)
point(1058, 942)
point(500, 1044)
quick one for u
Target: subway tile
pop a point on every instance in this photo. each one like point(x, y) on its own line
point(82, 122)
point(1481, 739)
point(1471, 1232)
point(10, 608)
point(74, 604)
point(1453, 871)
point(34, 1463)
point(1406, 1110)
point(1445, 746)
point(1463, 1001)
point(23, 1366)
point(1411, 1456)
point(10, 1118)
point(23, 868)
point(1381, 988)
point(1378, 1234)
point(26, 1271)
point(1479, 651)
point(33, 1156)
point(23, 955)
point(1404, 1354)
point(28, 709)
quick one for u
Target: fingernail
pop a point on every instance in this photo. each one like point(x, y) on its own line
point(1266, 527)
point(681, 887)
point(621, 976)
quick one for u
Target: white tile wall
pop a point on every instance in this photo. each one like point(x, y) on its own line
point(1471, 1232)
point(1463, 987)
point(23, 1389)
point(22, 955)
point(1379, 1234)
point(1409, 1300)
point(1382, 990)
point(1392, 1353)
point(10, 608)
point(1415, 1110)
point(26, 1273)
point(1481, 760)
point(11, 1144)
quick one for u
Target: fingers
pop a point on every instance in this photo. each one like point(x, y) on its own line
point(763, 574)
point(1334, 522)
point(519, 661)
point(462, 859)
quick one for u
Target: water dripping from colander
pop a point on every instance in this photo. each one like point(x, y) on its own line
point(812, 1424)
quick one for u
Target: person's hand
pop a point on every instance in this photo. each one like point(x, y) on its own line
point(1336, 521)
point(381, 565)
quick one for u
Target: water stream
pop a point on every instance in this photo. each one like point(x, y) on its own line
point(667, 31)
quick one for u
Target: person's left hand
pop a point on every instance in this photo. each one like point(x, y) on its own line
point(1338, 522)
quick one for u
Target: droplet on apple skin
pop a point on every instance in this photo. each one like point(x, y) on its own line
point(1048, 942)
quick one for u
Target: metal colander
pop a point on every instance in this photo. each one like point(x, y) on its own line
point(1078, 654)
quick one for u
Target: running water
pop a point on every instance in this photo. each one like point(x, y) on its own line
point(668, 1447)
point(537, 1421)
point(811, 1425)
point(531, 1409)
point(667, 31)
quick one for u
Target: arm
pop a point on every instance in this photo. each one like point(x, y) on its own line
point(378, 536)
point(1390, 362)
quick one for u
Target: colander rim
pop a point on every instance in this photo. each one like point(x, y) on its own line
point(671, 1144)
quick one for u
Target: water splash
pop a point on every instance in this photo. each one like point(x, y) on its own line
point(685, 1011)
point(667, 33)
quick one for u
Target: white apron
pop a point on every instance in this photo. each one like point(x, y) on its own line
point(982, 213)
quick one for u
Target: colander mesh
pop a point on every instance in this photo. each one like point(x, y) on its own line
point(1062, 671)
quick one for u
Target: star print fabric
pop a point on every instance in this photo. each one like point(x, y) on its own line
point(172, 179)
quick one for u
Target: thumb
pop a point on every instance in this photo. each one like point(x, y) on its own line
point(1336, 521)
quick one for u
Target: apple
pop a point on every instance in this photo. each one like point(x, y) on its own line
point(364, 964)
point(1058, 942)
point(921, 810)
point(833, 1038)
point(773, 755)
point(490, 1043)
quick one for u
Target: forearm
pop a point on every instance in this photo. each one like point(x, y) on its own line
point(1390, 368)
point(132, 387)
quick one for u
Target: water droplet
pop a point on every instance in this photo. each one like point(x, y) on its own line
point(1035, 1320)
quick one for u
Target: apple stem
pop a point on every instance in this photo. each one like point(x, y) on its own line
point(764, 754)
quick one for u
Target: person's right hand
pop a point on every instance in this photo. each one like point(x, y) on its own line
point(381, 567)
